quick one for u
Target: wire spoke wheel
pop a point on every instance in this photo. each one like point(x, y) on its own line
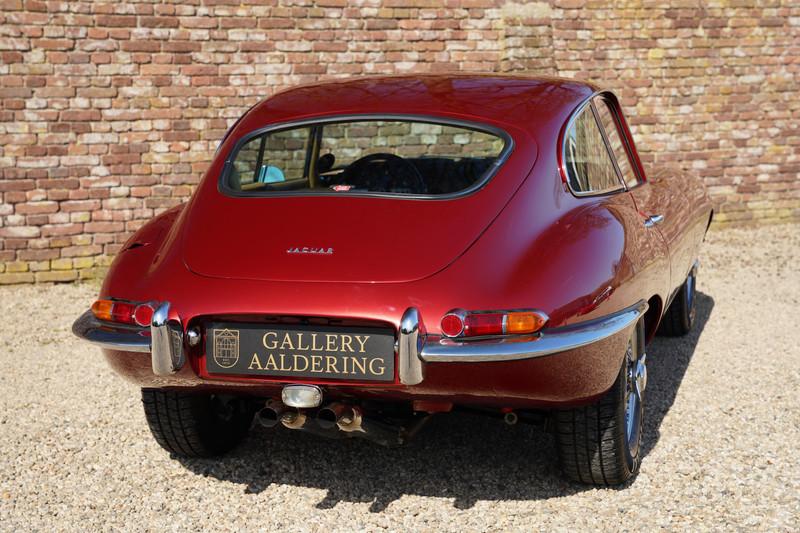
point(636, 381)
point(691, 289)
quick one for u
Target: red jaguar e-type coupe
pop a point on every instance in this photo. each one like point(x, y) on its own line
point(362, 254)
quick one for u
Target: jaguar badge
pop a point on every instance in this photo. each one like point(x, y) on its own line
point(309, 250)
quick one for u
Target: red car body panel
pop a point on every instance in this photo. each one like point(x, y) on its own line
point(522, 241)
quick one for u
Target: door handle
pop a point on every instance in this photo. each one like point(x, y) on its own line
point(653, 220)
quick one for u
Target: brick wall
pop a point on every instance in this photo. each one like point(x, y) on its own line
point(110, 112)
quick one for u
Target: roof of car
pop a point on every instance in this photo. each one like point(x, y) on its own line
point(526, 102)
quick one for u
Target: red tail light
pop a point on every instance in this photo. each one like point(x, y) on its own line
point(461, 323)
point(140, 314)
point(453, 323)
point(143, 314)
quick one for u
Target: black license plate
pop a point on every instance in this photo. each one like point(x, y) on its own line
point(353, 354)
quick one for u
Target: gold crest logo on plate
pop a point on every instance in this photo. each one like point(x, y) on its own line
point(226, 347)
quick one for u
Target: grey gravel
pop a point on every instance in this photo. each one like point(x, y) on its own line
point(720, 446)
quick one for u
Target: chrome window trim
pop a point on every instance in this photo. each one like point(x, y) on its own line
point(505, 153)
point(617, 118)
point(563, 167)
point(607, 142)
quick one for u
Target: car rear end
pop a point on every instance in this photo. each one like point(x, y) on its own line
point(320, 283)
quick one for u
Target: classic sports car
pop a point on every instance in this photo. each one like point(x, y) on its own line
point(363, 254)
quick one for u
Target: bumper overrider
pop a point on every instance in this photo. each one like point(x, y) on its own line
point(164, 340)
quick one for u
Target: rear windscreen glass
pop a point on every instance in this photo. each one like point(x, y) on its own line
point(403, 157)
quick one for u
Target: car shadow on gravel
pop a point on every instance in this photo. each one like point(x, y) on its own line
point(464, 457)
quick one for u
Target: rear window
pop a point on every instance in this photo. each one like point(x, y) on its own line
point(399, 157)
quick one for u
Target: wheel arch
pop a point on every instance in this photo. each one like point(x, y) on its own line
point(652, 317)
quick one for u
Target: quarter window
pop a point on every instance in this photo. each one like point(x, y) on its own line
point(589, 165)
point(611, 127)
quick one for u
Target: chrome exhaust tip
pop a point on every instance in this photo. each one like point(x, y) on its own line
point(328, 417)
point(350, 420)
point(270, 415)
point(293, 419)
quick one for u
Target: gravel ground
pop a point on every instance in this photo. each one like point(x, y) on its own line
point(720, 446)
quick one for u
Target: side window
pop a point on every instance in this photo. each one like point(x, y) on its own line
point(589, 165)
point(606, 114)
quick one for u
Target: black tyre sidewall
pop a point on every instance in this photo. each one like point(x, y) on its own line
point(189, 425)
point(601, 455)
point(680, 315)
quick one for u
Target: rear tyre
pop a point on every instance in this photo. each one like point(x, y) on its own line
point(196, 425)
point(599, 444)
point(679, 318)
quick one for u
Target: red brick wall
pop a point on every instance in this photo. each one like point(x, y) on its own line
point(110, 112)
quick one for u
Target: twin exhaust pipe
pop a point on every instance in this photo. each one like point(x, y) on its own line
point(335, 420)
point(344, 417)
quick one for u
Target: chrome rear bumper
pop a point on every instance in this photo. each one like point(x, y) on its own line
point(164, 339)
point(549, 341)
point(416, 349)
point(111, 336)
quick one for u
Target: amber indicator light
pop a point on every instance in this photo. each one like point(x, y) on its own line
point(140, 314)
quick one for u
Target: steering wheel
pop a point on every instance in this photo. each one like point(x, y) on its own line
point(393, 174)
